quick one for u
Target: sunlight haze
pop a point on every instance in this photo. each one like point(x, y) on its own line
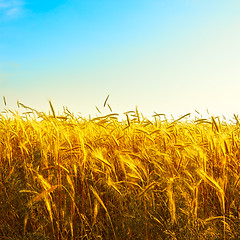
point(171, 57)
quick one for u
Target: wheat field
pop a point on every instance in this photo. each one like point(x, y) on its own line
point(67, 177)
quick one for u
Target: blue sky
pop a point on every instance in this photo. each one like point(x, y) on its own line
point(164, 56)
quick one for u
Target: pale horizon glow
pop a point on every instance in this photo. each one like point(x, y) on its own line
point(170, 57)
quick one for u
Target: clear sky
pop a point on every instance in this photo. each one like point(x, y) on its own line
point(165, 56)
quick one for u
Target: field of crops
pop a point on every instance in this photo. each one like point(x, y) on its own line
point(67, 177)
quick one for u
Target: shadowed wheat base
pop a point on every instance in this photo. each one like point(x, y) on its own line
point(64, 177)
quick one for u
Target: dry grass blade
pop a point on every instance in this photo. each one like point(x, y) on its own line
point(237, 120)
point(110, 108)
point(128, 112)
point(226, 147)
point(195, 202)
point(62, 167)
point(4, 100)
point(221, 195)
point(25, 225)
point(142, 130)
point(188, 114)
point(45, 184)
point(104, 207)
point(237, 181)
point(147, 188)
point(202, 120)
point(47, 200)
point(26, 107)
point(157, 220)
point(215, 125)
point(71, 184)
point(98, 155)
point(42, 195)
point(155, 131)
point(95, 212)
point(111, 115)
point(171, 200)
point(106, 100)
point(158, 114)
point(128, 120)
point(113, 185)
point(137, 114)
point(211, 181)
point(52, 109)
point(98, 109)
point(62, 117)
point(196, 111)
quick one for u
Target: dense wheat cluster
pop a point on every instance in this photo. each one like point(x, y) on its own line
point(64, 177)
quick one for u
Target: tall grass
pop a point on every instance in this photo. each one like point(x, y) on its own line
point(66, 177)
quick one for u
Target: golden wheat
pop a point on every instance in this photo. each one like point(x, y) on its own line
point(67, 177)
